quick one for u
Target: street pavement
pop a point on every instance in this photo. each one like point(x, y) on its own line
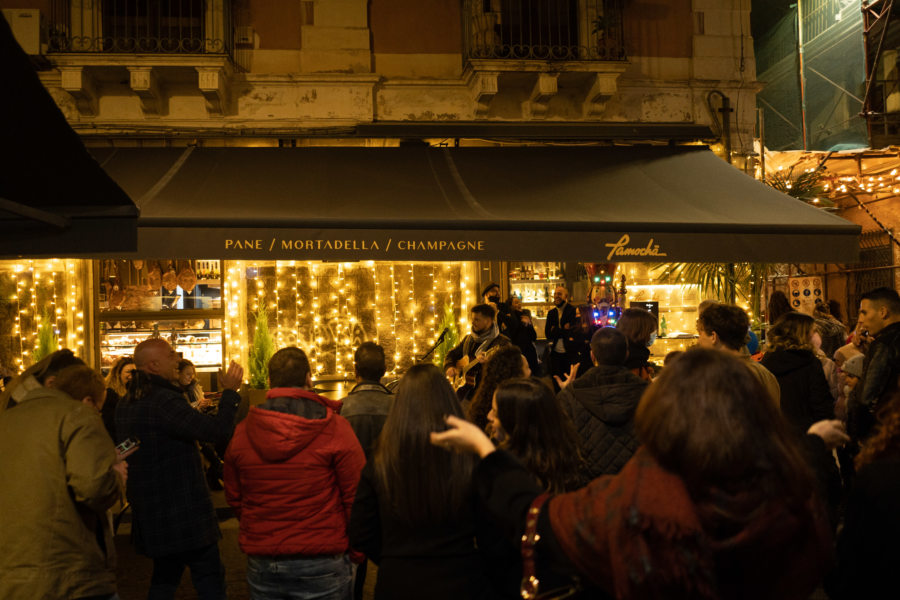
point(134, 570)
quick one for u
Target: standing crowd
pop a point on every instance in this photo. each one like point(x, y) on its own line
point(734, 472)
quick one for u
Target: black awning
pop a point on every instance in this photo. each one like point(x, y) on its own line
point(637, 203)
point(55, 200)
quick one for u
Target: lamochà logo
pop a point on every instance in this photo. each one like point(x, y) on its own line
point(621, 248)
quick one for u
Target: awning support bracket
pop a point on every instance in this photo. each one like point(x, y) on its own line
point(36, 214)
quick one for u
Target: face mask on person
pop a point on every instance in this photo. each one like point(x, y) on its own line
point(495, 298)
point(652, 339)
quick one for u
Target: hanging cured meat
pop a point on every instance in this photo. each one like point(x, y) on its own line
point(187, 279)
point(170, 278)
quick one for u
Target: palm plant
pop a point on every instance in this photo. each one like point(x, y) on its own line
point(727, 282)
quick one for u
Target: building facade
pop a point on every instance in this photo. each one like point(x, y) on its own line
point(258, 71)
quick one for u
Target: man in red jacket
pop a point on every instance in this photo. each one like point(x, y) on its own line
point(290, 475)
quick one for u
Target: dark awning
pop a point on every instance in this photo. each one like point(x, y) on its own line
point(637, 203)
point(55, 200)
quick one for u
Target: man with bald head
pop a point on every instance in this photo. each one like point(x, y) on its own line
point(174, 521)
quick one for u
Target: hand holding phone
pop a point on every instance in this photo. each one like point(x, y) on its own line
point(128, 447)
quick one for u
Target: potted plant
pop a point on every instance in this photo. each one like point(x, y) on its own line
point(448, 322)
point(261, 351)
point(47, 342)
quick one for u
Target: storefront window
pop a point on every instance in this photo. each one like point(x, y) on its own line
point(328, 309)
point(42, 310)
point(178, 300)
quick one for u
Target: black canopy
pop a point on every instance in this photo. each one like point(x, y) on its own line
point(637, 203)
point(55, 200)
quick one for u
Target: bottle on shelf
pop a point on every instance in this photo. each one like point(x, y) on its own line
point(663, 327)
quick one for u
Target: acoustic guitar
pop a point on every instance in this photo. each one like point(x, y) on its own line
point(464, 382)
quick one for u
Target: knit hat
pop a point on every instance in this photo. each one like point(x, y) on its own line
point(489, 287)
point(853, 366)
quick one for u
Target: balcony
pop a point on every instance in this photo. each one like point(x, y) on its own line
point(141, 26)
point(545, 30)
point(149, 44)
point(558, 43)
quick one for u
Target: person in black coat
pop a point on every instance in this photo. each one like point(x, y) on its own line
point(174, 521)
point(561, 321)
point(521, 332)
point(805, 396)
point(602, 403)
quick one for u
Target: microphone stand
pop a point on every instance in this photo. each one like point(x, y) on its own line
point(431, 350)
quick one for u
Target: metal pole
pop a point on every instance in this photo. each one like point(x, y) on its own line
point(802, 73)
point(762, 145)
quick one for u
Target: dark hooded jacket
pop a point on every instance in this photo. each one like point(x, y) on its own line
point(291, 473)
point(602, 404)
point(805, 396)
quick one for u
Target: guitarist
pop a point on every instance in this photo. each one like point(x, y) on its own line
point(484, 337)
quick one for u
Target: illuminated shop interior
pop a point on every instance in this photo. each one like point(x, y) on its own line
point(208, 309)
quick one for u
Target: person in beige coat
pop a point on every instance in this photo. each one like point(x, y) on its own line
point(60, 474)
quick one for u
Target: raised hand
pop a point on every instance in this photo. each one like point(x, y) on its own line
point(463, 436)
point(233, 378)
point(570, 377)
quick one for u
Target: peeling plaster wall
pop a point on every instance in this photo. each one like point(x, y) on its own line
point(317, 63)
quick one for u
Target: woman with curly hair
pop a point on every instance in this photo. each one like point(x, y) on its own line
point(868, 547)
point(805, 396)
point(506, 363)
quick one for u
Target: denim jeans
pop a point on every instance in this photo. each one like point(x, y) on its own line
point(300, 578)
point(207, 574)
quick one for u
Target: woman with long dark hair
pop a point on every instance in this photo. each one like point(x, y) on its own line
point(778, 306)
point(718, 502)
point(415, 508)
point(528, 422)
point(506, 363)
point(639, 326)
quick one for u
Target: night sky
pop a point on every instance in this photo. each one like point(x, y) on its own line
point(764, 14)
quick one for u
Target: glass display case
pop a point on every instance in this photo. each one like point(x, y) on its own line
point(199, 341)
point(176, 300)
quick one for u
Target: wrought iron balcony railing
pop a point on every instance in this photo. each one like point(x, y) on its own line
point(553, 30)
point(141, 26)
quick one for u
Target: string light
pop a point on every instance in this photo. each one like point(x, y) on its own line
point(391, 302)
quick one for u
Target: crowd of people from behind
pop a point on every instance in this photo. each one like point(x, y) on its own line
point(738, 470)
